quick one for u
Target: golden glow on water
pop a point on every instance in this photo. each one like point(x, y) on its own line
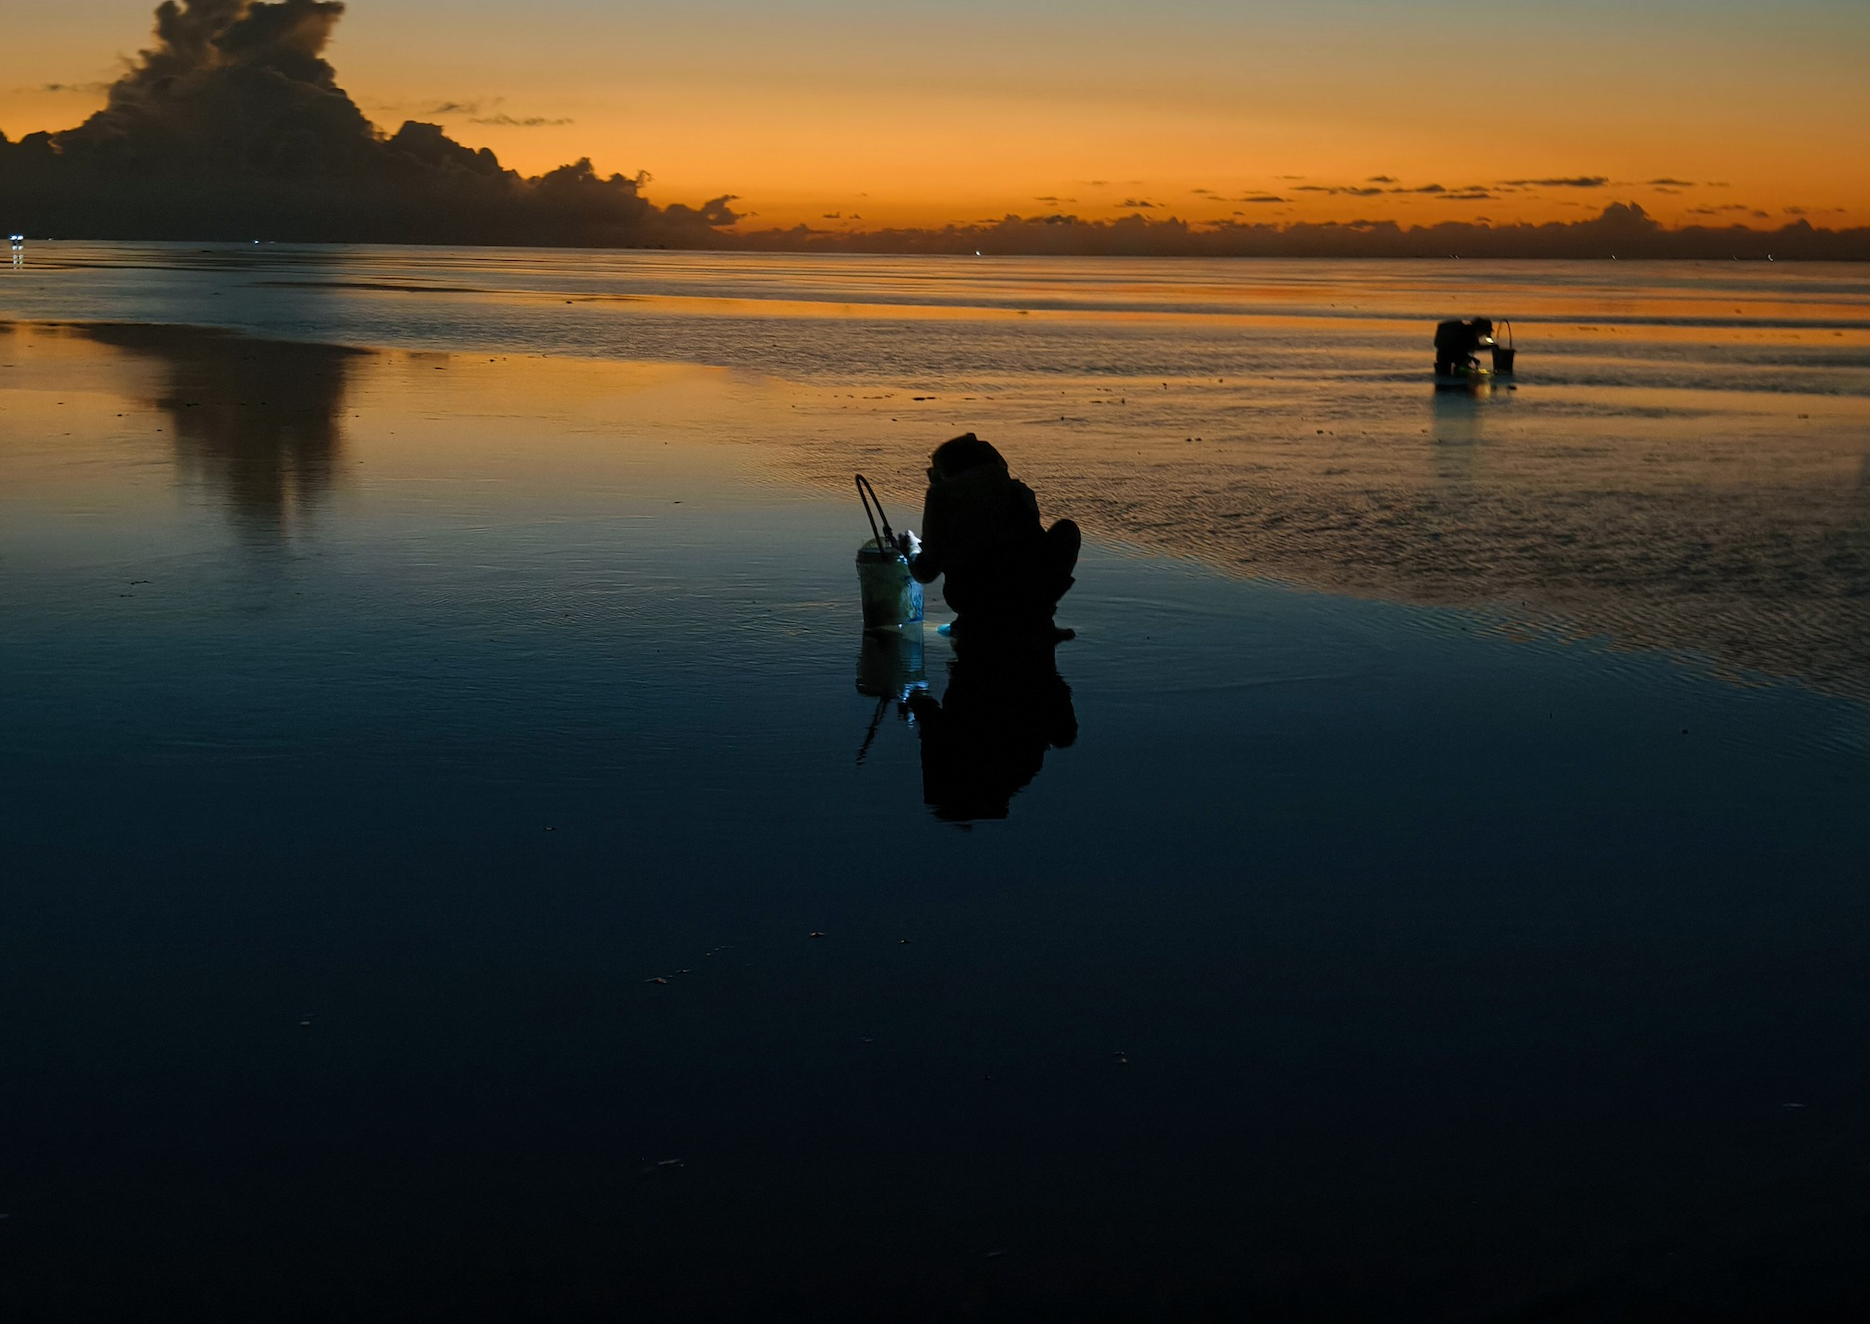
point(1666, 514)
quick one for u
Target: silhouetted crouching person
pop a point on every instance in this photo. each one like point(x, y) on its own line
point(981, 530)
point(1457, 344)
point(984, 742)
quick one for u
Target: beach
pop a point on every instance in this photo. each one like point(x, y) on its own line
point(465, 854)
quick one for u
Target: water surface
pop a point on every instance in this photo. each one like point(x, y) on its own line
point(1684, 464)
point(434, 736)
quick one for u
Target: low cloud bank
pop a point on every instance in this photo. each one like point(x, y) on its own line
point(1622, 230)
point(233, 126)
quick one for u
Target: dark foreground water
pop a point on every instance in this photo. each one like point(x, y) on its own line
point(460, 863)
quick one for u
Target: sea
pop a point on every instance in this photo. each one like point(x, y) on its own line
point(462, 856)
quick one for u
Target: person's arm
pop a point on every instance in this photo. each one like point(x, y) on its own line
point(925, 567)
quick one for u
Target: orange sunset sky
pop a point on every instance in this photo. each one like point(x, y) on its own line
point(846, 115)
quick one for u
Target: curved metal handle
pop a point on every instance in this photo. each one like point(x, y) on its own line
point(868, 495)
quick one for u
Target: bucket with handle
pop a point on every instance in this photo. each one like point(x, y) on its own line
point(1503, 354)
point(891, 596)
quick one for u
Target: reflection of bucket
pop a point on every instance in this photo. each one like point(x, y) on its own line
point(1503, 360)
point(892, 597)
point(889, 665)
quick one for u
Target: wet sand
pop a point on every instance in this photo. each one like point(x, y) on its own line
point(1736, 534)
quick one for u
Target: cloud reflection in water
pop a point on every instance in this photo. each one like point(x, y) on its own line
point(257, 422)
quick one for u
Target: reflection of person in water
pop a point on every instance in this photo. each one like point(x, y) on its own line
point(987, 738)
point(980, 528)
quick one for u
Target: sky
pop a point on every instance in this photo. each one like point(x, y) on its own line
point(839, 115)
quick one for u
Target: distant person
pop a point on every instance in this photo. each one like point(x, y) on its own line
point(1458, 344)
point(1004, 570)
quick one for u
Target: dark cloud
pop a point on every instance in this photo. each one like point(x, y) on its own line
point(232, 125)
point(87, 89)
point(1137, 202)
point(1568, 181)
point(1263, 198)
point(1381, 179)
point(1621, 229)
point(1666, 182)
point(512, 122)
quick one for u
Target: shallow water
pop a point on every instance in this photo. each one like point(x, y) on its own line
point(380, 722)
point(1683, 463)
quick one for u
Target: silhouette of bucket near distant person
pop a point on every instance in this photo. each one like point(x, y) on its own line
point(1503, 354)
point(891, 596)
